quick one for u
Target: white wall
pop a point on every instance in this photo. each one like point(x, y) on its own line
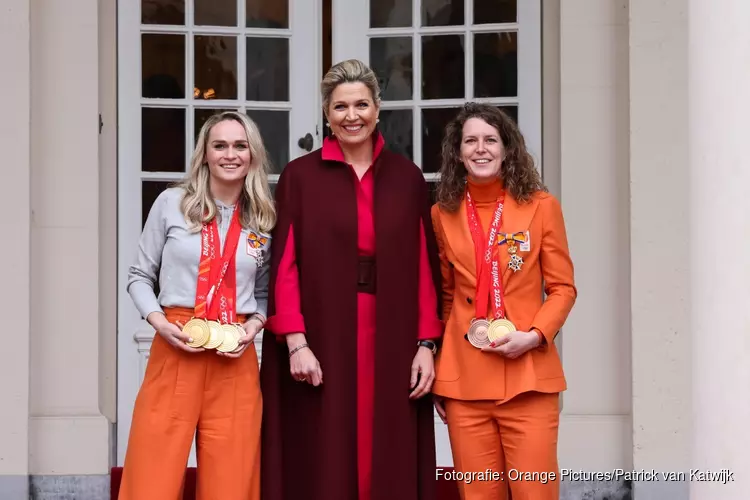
point(719, 173)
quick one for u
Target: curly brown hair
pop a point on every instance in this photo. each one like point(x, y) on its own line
point(518, 173)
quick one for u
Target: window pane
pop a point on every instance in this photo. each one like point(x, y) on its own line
point(267, 13)
point(443, 67)
point(163, 66)
point(274, 128)
point(495, 11)
point(391, 60)
point(150, 190)
point(200, 116)
point(433, 129)
point(215, 67)
point(215, 12)
point(390, 13)
point(512, 111)
point(163, 140)
point(496, 65)
point(163, 11)
point(432, 185)
point(397, 127)
point(443, 13)
point(267, 69)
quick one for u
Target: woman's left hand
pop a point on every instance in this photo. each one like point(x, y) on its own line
point(514, 344)
point(422, 370)
point(252, 327)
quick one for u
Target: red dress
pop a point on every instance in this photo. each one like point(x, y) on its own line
point(288, 318)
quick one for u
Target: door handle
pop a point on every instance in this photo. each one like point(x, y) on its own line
point(306, 142)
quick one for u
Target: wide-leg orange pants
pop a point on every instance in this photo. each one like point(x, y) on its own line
point(514, 444)
point(183, 395)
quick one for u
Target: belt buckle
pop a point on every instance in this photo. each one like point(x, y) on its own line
point(366, 275)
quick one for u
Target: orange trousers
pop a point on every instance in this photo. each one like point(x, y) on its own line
point(217, 400)
point(511, 448)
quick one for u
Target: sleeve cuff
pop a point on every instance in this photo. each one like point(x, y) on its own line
point(284, 324)
point(430, 328)
point(262, 308)
point(542, 338)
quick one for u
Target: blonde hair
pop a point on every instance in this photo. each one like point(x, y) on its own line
point(258, 209)
point(349, 71)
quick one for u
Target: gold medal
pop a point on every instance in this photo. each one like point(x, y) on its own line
point(197, 329)
point(241, 333)
point(477, 333)
point(231, 339)
point(216, 335)
point(499, 328)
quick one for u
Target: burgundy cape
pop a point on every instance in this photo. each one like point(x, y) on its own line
point(309, 440)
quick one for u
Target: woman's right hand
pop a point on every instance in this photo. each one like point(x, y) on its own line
point(303, 365)
point(171, 332)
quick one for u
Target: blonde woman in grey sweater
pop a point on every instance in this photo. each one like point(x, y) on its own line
point(206, 242)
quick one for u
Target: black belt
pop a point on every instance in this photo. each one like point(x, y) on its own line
point(366, 272)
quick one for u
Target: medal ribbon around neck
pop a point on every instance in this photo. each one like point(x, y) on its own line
point(488, 263)
point(216, 292)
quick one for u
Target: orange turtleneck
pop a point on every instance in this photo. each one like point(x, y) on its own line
point(485, 197)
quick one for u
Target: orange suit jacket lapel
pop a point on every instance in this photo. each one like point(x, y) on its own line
point(516, 219)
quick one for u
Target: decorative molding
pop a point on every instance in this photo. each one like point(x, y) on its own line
point(144, 337)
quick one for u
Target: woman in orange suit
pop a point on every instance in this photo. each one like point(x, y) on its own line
point(502, 243)
point(206, 243)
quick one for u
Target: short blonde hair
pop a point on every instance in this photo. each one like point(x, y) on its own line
point(349, 71)
point(259, 211)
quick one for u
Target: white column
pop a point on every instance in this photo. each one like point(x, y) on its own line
point(595, 428)
point(15, 251)
point(719, 100)
point(659, 245)
point(68, 434)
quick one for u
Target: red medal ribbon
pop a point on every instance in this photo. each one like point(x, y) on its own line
point(488, 263)
point(216, 292)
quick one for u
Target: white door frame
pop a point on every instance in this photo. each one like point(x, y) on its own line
point(305, 59)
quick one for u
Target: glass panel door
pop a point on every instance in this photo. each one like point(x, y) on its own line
point(179, 62)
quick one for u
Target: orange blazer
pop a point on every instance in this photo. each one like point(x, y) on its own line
point(467, 373)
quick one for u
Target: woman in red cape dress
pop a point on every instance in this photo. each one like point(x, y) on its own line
point(347, 361)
